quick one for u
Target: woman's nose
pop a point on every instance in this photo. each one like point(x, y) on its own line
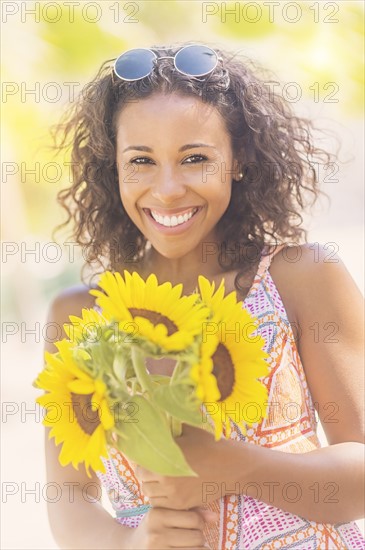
point(167, 187)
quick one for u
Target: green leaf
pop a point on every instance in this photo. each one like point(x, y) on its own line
point(102, 357)
point(149, 441)
point(178, 402)
point(122, 365)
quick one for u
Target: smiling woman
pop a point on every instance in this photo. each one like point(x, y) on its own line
point(177, 199)
point(180, 171)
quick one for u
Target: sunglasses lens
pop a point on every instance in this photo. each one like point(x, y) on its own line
point(134, 64)
point(196, 60)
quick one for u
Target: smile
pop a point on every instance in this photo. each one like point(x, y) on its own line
point(174, 221)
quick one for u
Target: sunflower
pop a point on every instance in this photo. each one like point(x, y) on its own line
point(77, 409)
point(162, 316)
point(230, 363)
point(85, 328)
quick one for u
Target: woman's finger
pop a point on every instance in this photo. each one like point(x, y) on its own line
point(142, 474)
point(152, 489)
point(159, 502)
point(190, 538)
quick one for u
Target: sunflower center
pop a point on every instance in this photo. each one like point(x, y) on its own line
point(223, 370)
point(87, 419)
point(155, 318)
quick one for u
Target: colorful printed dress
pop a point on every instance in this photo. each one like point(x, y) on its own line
point(290, 426)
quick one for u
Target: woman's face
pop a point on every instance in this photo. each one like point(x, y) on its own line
point(175, 166)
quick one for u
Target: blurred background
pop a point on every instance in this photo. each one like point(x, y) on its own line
point(50, 50)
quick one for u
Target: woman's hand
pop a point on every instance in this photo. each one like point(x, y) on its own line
point(165, 528)
point(207, 458)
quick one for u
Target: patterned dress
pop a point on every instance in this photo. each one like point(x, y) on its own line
point(246, 523)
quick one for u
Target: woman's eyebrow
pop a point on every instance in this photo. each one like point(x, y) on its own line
point(183, 148)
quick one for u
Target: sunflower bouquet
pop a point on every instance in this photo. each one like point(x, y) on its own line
point(99, 391)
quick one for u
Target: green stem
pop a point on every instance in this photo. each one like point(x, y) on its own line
point(178, 367)
point(140, 370)
point(176, 426)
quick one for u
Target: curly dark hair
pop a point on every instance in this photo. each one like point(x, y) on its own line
point(274, 147)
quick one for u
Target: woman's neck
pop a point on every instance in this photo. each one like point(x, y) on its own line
point(186, 270)
point(183, 270)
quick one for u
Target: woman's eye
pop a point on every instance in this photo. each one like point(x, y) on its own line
point(140, 160)
point(195, 158)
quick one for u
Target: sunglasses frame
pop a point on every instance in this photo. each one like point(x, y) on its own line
point(156, 59)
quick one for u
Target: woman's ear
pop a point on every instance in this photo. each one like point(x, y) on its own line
point(237, 171)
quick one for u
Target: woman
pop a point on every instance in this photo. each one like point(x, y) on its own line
point(184, 163)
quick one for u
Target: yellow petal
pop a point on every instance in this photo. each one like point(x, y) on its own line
point(106, 418)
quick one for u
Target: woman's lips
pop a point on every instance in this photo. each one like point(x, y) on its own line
point(172, 230)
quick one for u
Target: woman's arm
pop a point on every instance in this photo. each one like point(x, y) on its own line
point(329, 309)
point(77, 519)
point(324, 485)
point(328, 482)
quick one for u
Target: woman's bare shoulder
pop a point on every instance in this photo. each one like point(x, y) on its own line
point(284, 268)
point(73, 299)
point(70, 301)
point(301, 267)
point(310, 275)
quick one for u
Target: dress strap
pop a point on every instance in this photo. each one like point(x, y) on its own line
point(266, 258)
point(270, 252)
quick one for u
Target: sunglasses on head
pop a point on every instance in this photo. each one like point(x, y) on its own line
point(194, 60)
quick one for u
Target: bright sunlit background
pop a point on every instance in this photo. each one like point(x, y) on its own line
point(49, 51)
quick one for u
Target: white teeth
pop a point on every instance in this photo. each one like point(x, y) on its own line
point(174, 220)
